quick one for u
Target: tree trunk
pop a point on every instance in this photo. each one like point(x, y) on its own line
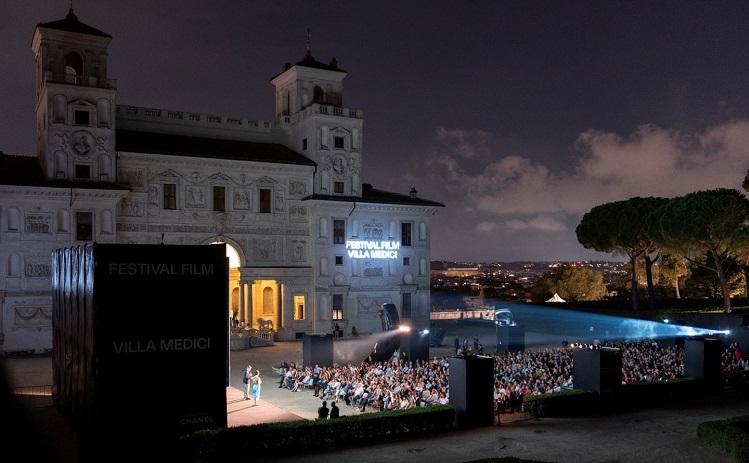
point(633, 260)
point(723, 282)
point(745, 268)
point(649, 275)
point(676, 287)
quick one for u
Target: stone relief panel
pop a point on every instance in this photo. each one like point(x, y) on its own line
point(298, 213)
point(133, 177)
point(297, 188)
point(242, 200)
point(37, 267)
point(373, 230)
point(371, 305)
point(279, 204)
point(153, 195)
point(38, 223)
point(32, 316)
point(266, 250)
point(372, 270)
point(132, 207)
point(195, 197)
point(298, 250)
point(83, 143)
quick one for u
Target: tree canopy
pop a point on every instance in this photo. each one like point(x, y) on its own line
point(571, 283)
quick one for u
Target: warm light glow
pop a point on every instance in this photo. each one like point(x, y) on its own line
point(404, 328)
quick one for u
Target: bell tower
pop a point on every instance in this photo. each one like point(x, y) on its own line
point(309, 107)
point(75, 101)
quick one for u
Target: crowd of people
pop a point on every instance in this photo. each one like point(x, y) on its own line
point(401, 384)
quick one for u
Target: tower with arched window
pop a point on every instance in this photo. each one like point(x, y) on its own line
point(75, 101)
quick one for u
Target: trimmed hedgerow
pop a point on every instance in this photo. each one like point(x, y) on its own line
point(732, 435)
point(634, 395)
point(306, 435)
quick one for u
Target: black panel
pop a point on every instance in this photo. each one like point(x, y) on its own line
point(597, 370)
point(472, 390)
point(702, 360)
point(141, 338)
point(317, 350)
point(415, 345)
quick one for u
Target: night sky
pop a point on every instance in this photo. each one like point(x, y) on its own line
point(518, 115)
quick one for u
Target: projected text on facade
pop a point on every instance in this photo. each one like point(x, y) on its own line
point(365, 249)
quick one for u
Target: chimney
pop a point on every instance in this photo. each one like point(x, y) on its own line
point(413, 192)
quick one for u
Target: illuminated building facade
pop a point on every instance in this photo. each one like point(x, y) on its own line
point(310, 245)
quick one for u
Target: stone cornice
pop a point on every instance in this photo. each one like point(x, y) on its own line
point(372, 207)
point(61, 192)
point(146, 160)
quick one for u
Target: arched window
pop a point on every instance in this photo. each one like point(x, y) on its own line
point(14, 220)
point(235, 299)
point(102, 113)
point(422, 231)
point(318, 95)
point(323, 266)
point(323, 227)
point(73, 65)
point(63, 221)
point(14, 265)
point(106, 222)
point(60, 108)
point(267, 301)
point(105, 168)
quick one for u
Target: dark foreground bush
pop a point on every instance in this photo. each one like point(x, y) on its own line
point(636, 395)
point(732, 435)
point(304, 435)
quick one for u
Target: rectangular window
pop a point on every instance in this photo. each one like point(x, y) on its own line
point(298, 307)
point(406, 307)
point(219, 198)
point(406, 261)
point(304, 144)
point(264, 201)
point(338, 142)
point(82, 171)
point(82, 117)
point(338, 187)
point(339, 260)
point(170, 196)
point(339, 232)
point(406, 234)
point(337, 313)
point(84, 226)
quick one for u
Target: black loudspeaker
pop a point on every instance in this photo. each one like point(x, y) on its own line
point(702, 360)
point(597, 370)
point(510, 338)
point(317, 350)
point(472, 390)
point(415, 345)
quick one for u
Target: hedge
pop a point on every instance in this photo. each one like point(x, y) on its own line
point(731, 435)
point(305, 435)
point(634, 395)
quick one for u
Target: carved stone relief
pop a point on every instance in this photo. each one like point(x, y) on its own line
point(371, 304)
point(297, 213)
point(242, 199)
point(37, 267)
point(132, 207)
point(299, 253)
point(83, 143)
point(132, 177)
point(195, 196)
point(265, 250)
point(297, 188)
point(373, 230)
point(153, 195)
point(32, 316)
point(372, 271)
point(279, 203)
point(37, 223)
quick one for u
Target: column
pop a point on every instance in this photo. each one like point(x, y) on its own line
point(281, 305)
point(248, 303)
point(241, 301)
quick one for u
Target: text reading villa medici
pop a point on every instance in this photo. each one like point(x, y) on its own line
point(158, 269)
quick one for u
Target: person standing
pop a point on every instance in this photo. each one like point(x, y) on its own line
point(256, 382)
point(334, 411)
point(457, 345)
point(247, 380)
point(322, 412)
